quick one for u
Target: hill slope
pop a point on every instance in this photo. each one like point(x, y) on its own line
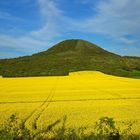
point(68, 56)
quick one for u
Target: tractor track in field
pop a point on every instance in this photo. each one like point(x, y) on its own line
point(39, 110)
point(76, 100)
point(33, 112)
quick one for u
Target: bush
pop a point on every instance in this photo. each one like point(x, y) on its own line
point(105, 129)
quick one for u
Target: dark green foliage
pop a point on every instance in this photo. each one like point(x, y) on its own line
point(69, 56)
point(13, 130)
point(105, 129)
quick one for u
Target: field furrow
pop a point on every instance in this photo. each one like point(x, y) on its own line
point(83, 97)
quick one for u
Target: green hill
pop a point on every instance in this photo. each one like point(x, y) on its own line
point(68, 56)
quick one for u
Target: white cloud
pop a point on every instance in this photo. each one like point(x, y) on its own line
point(127, 41)
point(25, 44)
point(40, 39)
point(55, 23)
point(7, 16)
point(51, 17)
point(115, 18)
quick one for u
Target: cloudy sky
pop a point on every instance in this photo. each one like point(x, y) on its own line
point(30, 26)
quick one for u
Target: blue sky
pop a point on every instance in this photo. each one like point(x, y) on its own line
point(30, 26)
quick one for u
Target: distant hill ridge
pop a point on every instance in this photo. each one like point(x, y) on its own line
point(70, 56)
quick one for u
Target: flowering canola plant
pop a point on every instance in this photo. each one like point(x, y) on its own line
point(83, 97)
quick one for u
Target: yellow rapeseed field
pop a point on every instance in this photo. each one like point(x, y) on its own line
point(83, 97)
